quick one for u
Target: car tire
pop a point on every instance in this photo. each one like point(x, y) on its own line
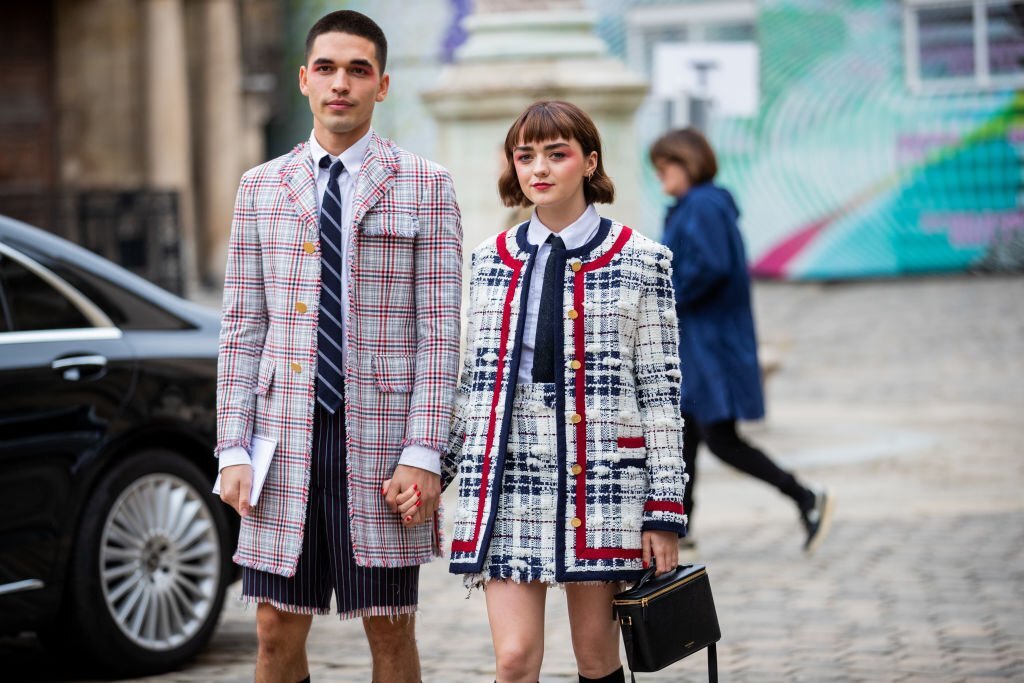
point(150, 566)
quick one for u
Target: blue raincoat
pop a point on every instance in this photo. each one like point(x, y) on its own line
point(718, 344)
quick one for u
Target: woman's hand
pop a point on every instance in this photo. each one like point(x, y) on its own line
point(408, 504)
point(662, 547)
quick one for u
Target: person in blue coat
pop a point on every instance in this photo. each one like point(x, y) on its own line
point(718, 342)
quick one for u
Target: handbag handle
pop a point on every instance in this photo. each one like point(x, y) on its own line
point(649, 574)
point(645, 577)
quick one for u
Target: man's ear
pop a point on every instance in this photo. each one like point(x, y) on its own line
point(303, 86)
point(382, 91)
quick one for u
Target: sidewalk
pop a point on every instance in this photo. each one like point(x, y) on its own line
point(903, 396)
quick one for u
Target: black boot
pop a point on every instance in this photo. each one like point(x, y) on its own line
point(617, 676)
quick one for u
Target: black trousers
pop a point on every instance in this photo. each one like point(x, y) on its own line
point(723, 440)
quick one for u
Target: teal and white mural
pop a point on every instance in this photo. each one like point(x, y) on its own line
point(852, 165)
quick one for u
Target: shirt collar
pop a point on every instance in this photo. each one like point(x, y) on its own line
point(351, 157)
point(574, 235)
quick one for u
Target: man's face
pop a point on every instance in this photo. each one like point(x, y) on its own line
point(343, 82)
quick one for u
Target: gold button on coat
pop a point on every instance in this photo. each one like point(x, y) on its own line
point(300, 307)
point(576, 469)
point(575, 364)
point(308, 247)
point(296, 368)
point(576, 265)
point(576, 522)
point(573, 314)
point(575, 418)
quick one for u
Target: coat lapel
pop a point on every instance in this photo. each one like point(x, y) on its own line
point(300, 183)
point(376, 176)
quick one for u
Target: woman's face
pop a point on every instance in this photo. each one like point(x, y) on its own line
point(551, 173)
point(673, 177)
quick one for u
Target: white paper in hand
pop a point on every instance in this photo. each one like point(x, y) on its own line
point(261, 450)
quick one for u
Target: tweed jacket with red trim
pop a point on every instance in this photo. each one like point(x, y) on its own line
point(402, 343)
point(620, 436)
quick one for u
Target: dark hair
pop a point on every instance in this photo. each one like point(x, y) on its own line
point(354, 23)
point(547, 120)
point(690, 149)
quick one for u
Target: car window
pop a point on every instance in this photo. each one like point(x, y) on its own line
point(127, 310)
point(30, 303)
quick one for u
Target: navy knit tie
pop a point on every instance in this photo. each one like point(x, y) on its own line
point(329, 376)
point(549, 315)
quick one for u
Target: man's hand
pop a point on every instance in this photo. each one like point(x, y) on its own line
point(235, 487)
point(662, 547)
point(413, 493)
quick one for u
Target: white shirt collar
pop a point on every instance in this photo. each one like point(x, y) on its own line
point(351, 157)
point(574, 235)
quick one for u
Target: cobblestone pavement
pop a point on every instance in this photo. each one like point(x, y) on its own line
point(905, 397)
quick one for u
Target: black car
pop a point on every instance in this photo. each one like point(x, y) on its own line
point(110, 540)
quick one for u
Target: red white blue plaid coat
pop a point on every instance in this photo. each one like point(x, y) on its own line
point(620, 439)
point(402, 334)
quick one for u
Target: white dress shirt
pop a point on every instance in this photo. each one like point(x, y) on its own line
point(352, 158)
point(574, 235)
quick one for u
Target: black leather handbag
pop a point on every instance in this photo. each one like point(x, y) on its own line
point(668, 617)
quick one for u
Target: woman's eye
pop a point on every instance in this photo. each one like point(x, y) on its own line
point(525, 158)
point(558, 155)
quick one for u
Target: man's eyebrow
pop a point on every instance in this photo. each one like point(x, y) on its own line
point(359, 61)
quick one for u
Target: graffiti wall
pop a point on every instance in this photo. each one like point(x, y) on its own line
point(846, 171)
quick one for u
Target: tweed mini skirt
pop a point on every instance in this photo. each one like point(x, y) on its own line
point(522, 546)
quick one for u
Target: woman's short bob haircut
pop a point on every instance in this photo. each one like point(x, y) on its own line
point(690, 149)
point(550, 120)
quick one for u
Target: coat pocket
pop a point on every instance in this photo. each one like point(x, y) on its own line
point(265, 376)
point(394, 374)
point(389, 224)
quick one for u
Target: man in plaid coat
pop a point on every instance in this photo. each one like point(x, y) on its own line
point(339, 341)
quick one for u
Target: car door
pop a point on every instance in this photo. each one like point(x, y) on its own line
point(65, 374)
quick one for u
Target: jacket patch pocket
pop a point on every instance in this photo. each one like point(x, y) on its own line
point(389, 224)
point(394, 374)
point(265, 377)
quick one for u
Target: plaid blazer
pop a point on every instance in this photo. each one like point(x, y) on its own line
point(620, 439)
point(402, 334)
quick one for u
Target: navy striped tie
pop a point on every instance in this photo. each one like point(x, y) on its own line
point(330, 379)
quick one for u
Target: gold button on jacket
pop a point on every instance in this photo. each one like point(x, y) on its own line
point(301, 307)
point(576, 469)
point(296, 368)
point(308, 247)
point(576, 522)
point(575, 418)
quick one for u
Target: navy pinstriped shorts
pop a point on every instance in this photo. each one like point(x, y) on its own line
point(326, 563)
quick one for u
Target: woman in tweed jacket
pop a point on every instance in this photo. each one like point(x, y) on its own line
point(567, 432)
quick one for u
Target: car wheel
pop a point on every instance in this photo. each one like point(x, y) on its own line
point(151, 565)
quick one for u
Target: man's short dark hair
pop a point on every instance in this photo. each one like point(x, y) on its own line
point(353, 23)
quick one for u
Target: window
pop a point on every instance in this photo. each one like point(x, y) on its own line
point(702, 59)
point(963, 45)
point(30, 303)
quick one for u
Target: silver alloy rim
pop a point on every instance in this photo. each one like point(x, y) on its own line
point(160, 562)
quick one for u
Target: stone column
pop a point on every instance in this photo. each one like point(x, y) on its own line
point(518, 52)
point(168, 134)
point(223, 133)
